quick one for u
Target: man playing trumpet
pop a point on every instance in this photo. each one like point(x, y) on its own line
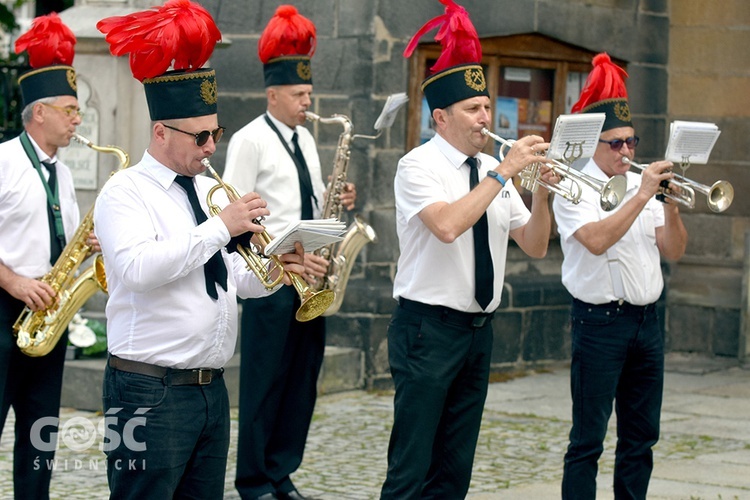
point(172, 309)
point(455, 211)
point(611, 267)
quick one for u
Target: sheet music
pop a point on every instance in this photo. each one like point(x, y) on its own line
point(691, 142)
point(575, 136)
point(390, 110)
point(313, 234)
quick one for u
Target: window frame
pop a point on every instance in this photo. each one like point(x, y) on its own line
point(531, 50)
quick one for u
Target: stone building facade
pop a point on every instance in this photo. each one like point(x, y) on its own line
point(687, 60)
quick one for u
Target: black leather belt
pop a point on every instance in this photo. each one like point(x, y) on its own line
point(615, 304)
point(452, 316)
point(170, 376)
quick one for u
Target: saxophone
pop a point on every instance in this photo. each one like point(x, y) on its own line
point(37, 332)
point(340, 255)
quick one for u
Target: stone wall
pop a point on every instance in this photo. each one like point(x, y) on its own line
point(687, 59)
point(709, 77)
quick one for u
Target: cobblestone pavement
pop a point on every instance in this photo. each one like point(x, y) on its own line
point(704, 452)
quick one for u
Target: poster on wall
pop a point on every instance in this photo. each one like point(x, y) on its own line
point(506, 119)
point(534, 117)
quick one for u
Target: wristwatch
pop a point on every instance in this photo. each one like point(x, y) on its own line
point(499, 178)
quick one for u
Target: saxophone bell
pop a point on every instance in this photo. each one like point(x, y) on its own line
point(38, 332)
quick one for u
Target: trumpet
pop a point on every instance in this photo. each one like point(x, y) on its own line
point(611, 192)
point(313, 303)
point(718, 196)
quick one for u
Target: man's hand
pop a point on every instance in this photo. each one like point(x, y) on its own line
point(36, 294)
point(93, 242)
point(293, 262)
point(349, 196)
point(654, 175)
point(240, 216)
point(315, 266)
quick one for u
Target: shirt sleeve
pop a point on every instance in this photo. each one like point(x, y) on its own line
point(416, 187)
point(128, 230)
point(242, 163)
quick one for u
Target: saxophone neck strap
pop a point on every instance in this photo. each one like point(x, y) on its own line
point(53, 196)
point(305, 181)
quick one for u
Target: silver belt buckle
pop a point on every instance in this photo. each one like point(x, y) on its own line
point(204, 376)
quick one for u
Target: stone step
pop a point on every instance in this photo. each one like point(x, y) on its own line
point(343, 370)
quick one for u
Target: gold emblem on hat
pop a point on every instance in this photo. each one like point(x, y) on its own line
point(209, 92)
point(475, 79)
point(71, 76)
point(622, 111)
point(304, 71)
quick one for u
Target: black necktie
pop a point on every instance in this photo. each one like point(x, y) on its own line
point(305, 184)
point(215, 270)
point(484, 273)
point(57, 241)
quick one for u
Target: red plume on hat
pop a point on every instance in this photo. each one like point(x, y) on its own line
point(180, 33)
point(457, 36)
point(606, 81)
point(288, 33)
point(47, 42)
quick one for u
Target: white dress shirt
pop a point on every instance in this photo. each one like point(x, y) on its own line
point(24, 221)
point(587, 276)
point(257, 161)
point(429, 270)
point(158, 310)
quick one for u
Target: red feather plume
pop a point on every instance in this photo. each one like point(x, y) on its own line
point(457, 36)
point(606, 81)
point(47, 42)
point(180, 33)
point(288, 33)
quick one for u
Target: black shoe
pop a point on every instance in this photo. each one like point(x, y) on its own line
point(267, 496)
point(293, 495)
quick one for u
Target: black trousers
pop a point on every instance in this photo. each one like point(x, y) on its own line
point(281, 360)
point(440, 363)
point(32, 387)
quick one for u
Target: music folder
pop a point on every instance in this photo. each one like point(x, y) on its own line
point(313, 234)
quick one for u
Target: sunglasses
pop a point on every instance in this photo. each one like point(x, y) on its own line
point(616, 144)
point(201, 138)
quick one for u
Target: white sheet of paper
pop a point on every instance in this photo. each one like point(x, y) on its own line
point(313, 234)
point(390, 110)
point(575, 136)
point(691, 142)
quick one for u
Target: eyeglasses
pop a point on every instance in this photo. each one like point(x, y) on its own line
point(616, 144)
point(201, 138)
point(69, 111)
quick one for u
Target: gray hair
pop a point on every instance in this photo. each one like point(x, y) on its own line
point(28, 110)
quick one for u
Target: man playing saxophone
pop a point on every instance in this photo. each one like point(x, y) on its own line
point(281, 357)
point(38, 215)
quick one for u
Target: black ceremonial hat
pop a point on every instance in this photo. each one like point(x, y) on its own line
point(286, 47)
point(181, 94)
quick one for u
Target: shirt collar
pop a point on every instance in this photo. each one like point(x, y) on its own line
point(283, 128)
point(454, 156)
point(39, 153)
point(164, 175)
